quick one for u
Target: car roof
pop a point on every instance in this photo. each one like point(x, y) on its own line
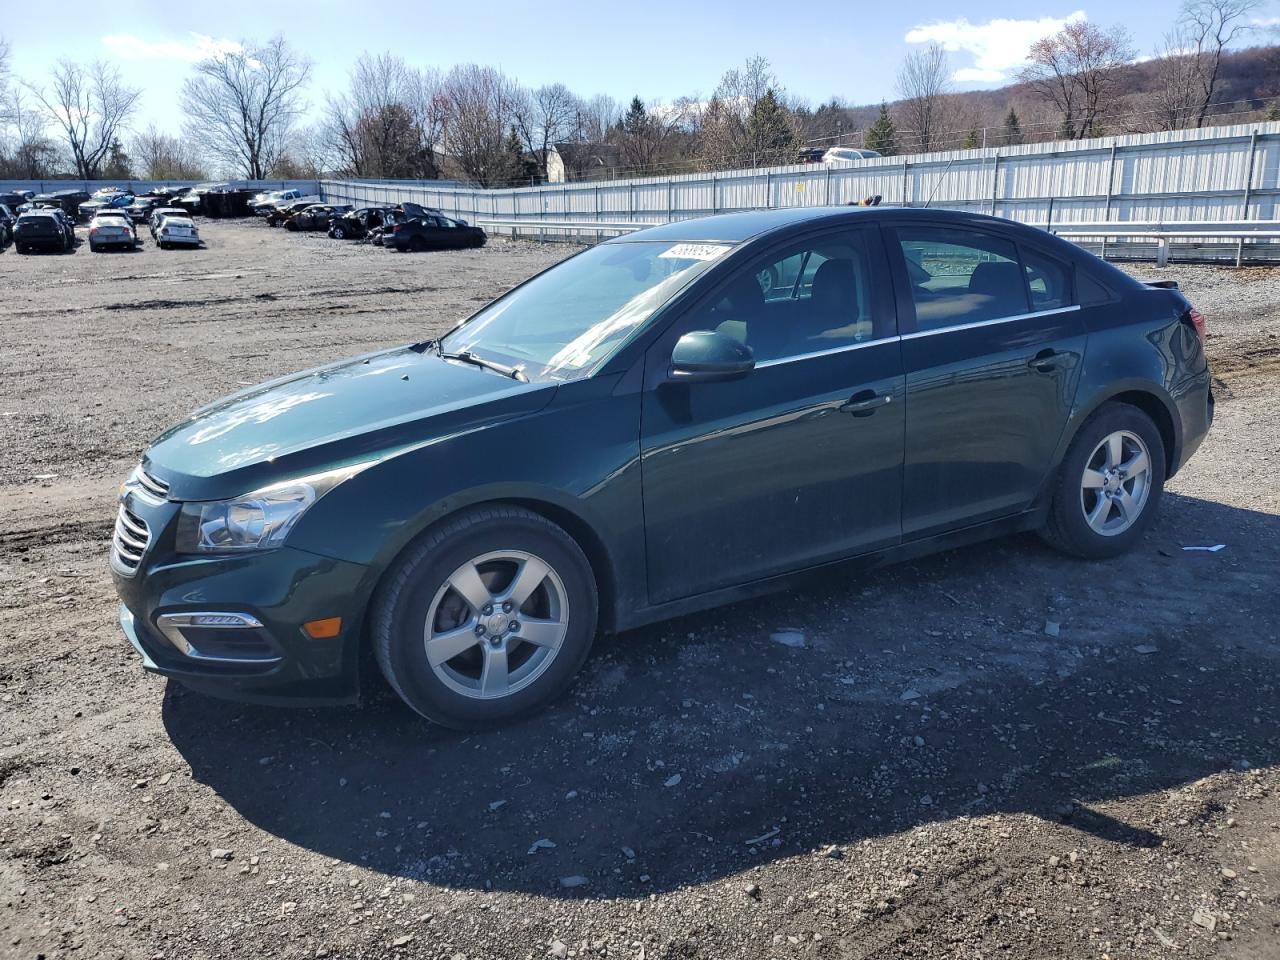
point(748, 225)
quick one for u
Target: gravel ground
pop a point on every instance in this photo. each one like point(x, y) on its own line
point(996, 752)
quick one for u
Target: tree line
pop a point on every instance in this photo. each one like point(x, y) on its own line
point(247, 115)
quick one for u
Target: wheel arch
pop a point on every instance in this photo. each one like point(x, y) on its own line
point(574, 523)
point(1146, 396)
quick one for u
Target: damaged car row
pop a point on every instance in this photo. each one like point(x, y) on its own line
point(403, 226)
point(44, 222)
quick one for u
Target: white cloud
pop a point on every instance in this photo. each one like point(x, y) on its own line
point(197, 48)
point(1265, 23)
point(998, 47)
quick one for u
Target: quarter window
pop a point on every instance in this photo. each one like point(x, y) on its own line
point(961, 276)
point(1048, 280)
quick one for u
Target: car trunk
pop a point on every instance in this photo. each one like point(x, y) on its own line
point(37, 227)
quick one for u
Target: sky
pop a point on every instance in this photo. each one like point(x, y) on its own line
point(659, 49)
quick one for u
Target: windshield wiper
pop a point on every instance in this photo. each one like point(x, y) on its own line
point(466, 356)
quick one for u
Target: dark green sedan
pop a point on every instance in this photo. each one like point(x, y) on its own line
point(672, 420)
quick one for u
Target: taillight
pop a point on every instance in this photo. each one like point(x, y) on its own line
point(396, 228)
point(1197, 321)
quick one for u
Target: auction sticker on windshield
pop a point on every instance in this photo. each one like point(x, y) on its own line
point(695, 251)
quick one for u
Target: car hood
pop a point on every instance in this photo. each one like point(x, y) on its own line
point(349, 411)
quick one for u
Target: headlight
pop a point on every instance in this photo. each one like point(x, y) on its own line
point(259, 520)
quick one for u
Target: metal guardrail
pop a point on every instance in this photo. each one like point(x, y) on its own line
point(542, 227)
point(1163, 232)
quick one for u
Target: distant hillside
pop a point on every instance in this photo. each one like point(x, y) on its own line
point(1248, 87)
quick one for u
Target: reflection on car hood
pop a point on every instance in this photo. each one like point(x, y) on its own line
point(350, 410)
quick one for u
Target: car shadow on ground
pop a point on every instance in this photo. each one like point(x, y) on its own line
point(999, 678)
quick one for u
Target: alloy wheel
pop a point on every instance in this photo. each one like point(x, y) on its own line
point(496, 624)
point(1116, 483)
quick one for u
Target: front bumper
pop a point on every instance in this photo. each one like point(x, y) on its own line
point(259, 652)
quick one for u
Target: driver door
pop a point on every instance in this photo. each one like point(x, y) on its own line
point(800, 461)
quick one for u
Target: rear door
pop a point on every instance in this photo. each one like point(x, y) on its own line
point(992, 346)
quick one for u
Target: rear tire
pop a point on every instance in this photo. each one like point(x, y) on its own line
point(445, 594)
point(1109, 485)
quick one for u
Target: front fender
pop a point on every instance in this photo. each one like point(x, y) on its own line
point(577, 462)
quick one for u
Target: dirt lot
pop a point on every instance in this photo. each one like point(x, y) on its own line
point(992, 753)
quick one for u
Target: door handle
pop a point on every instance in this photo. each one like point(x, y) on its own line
point(865, 403)
point(1046, 361)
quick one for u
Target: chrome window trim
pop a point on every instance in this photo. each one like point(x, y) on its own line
point(987, 323)
point(826, 353)
point(916, 335)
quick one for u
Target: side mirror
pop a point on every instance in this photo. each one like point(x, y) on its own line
point(705, 355)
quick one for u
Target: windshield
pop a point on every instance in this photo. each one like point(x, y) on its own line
point(566, 322)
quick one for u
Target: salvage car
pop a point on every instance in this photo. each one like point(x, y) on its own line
point(112, 228)
point(159, 213)
point(317, 216)
point(282, 212)
point(262, 203)
point(643, 431)
point(357, 224)
point(66, 200)
point(44, 229)
point(115, 200)
point(176, 230)
point(7, 219)
point(434, 232)
point(140, 209)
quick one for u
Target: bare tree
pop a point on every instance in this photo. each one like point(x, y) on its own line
point(1176, 98)
point(388, 123)
point(481, 105)
point(164, 157)
point(594, 118)
point(241, 106)
point(739, 127)
point(1076, 70)
point(429, 108)
point(31, 154)
point(91, 106)
point(544, 117)
point(923, 80)
point(1207, 27)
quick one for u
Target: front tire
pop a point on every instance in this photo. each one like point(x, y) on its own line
point(485, 618)
point(1109, 485)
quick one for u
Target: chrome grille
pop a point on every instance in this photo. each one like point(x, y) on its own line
point(132, 537)
point(151, 484)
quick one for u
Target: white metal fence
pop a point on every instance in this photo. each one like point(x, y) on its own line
point(1215, 174)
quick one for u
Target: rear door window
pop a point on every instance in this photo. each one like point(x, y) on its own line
point(961, 276)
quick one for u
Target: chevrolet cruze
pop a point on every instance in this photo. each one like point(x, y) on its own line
point(671, 420)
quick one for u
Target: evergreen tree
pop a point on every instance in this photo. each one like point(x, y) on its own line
point(636, 120)
point(1274, 112)
point(882, 136)
point(516, 167)
point(973, 141)
point(771, 133)
point(118, 165)
point(1012, 128)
